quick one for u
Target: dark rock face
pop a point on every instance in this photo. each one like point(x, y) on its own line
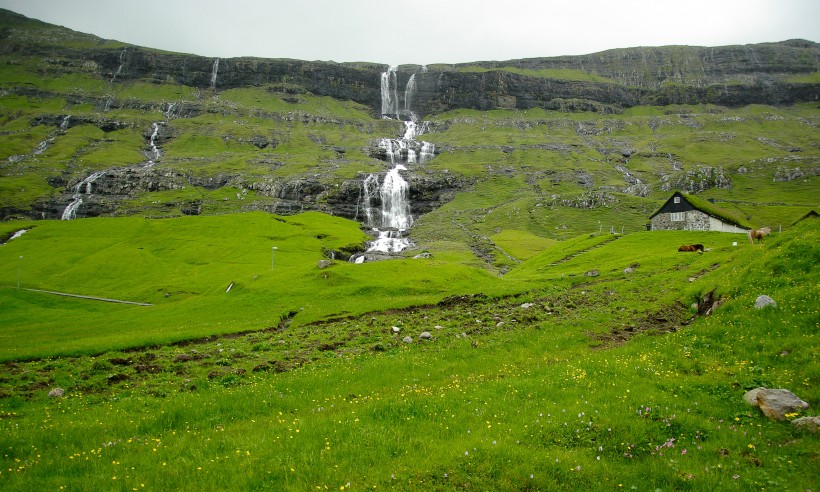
point(728, 75)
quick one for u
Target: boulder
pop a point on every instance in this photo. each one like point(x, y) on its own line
point(751, 396)
point(425, 335)
point(812, 424)
point(56, 393)
point(591, 273)
point(776, 403)
point(322, 264)
point(407, 340)
point(764, 301)
point(628, 270)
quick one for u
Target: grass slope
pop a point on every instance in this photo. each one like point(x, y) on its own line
point(604, 382)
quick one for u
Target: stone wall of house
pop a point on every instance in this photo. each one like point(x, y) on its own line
point(694, 220)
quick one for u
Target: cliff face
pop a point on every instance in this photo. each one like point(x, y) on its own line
point(728, 76)
point(609, 80)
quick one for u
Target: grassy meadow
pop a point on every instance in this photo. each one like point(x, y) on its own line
point(534, 380)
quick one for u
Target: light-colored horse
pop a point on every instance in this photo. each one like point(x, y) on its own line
point(758, 234)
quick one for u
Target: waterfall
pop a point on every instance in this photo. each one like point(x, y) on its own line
point(64, 124)
point(390, 98)
point(409, 92)
point(395, 204)
point(387, 205)
point(83, 188)
point(119, 68)
point(155, 153)
point(214, 71)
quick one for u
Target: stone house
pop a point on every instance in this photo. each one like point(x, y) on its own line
point(688, 213)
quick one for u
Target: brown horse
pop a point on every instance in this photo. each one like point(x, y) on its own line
point(758, 234)
point(691, 247)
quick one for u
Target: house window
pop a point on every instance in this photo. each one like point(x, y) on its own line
point(676, 200)
point(677, 216)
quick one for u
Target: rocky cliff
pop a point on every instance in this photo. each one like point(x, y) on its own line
point(610, 80)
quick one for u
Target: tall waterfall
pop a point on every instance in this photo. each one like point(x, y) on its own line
point(214, 71)
point(386, 205)
point(390, 97)
point(119, 68)
point(81, 189)
point(154, 150)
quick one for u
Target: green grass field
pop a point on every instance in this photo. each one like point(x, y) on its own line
point(531, 381)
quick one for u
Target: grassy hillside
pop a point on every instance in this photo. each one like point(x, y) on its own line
point(608, 382)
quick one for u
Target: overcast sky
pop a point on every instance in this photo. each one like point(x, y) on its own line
point(426, 31)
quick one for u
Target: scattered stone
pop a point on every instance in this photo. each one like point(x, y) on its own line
point(56, 393)
point(407, 340)
point(527, 305)
point(422, 256)
point(628, 270)
point(438, 327)
point(812, 424)
point(692, 279)
point(591, 273)
point(764, 301)
point(776, 403)
point(499, 324)
point(395, 329)
point(425, 335)
point(785, 353)
point(182, 358)
point(322, 264)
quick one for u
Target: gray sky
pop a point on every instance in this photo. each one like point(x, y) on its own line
point(426, 31)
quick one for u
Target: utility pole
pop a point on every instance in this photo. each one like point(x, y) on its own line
point(272, 250)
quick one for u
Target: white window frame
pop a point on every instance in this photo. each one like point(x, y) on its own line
point(676, 200)
point(677, 216)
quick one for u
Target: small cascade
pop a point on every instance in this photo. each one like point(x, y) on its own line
point(64, 124)
point(119, 68)
point(169, 111)
point(154, 150)
point(214, 71)
point(83, 188)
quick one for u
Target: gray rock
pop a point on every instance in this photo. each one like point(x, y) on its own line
point(764, 301)
point(407, 340)
point(812, 424)
point(776, 403)
point(591, 273)
point(628, 270)
point(395, 329)
point(425, 335)
point(324, 264)
point(422, 256)
point(527, 305)
point(751, 396)
point(56, 393)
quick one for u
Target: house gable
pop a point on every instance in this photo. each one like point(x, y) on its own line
point(692, 213)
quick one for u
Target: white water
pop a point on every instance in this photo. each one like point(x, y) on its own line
point(122, 62)
point(16, 235)
point(214, 71)
point(64, 124)
point(81, 189)
point(390, 98)
point(155, 153)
